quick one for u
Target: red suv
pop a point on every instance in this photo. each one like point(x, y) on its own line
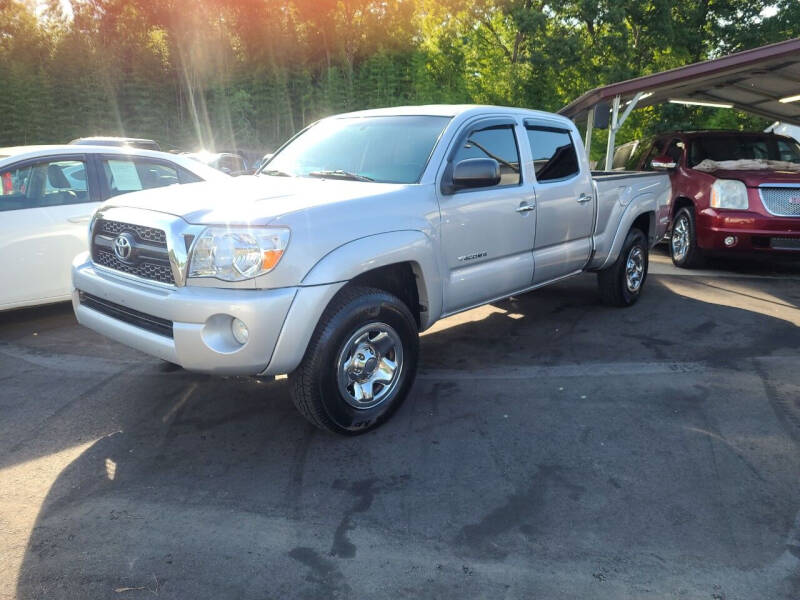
point(751, 204)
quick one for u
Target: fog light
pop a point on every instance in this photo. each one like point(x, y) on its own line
point(730, 240)
point(239, 331)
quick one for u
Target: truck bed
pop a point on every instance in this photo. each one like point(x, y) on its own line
point(616, 192)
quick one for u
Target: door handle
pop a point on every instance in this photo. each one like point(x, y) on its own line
point(81, 219)
point(525, 207)
point(583, 199)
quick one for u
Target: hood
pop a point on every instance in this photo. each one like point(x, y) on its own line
point(756, 177)
point(248, 200)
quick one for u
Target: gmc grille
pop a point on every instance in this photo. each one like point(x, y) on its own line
point(781, 201)
point(149, 256)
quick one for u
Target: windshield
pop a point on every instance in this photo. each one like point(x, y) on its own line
point(732, 147)
point(385, 149)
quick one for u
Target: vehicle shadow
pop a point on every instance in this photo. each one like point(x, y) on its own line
point(587, 482)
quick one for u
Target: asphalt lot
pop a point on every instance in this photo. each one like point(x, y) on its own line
point(551, 448)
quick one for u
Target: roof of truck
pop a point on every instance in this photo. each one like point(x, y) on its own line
point(444, 110)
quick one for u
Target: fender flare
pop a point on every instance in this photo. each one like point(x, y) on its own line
point(330, 274)
point(380, 250)
point(640, 205)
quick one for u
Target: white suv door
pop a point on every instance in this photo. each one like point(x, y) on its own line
point(45, 206)
point(565, 204)
point(487, 233)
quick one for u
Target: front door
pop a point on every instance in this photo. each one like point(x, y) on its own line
point(45, 205)
point(487, 233)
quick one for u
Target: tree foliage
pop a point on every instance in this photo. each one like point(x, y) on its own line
point(250, 73)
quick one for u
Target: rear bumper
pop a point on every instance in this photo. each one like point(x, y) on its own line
point(752, 232)
point(200, 318)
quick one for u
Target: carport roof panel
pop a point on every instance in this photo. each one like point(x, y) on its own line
point(753, 81)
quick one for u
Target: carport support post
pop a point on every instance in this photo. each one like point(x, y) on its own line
point(616, 122)
point(612, 134)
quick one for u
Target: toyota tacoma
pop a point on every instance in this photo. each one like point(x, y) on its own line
point(361, 231)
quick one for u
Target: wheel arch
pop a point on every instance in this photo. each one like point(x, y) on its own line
point(400, 262)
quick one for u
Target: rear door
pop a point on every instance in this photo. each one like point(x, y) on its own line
point(486, 239)
point(45, 207)
point(564, 202)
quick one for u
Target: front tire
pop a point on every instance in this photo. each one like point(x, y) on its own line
point(621, 284)
point(683, 241)
point(360, 363)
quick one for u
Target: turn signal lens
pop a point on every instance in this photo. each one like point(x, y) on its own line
point(271, 259)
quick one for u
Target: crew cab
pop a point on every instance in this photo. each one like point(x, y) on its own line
point(732, 192)
point(360, 232)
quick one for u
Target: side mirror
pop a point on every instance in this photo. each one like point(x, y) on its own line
point(663, 163)
point(476, 173)
point(602, 115)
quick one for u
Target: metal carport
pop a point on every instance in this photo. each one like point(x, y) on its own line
point(764, 81)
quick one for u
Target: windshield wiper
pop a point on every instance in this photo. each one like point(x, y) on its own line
point(340, 174)
point(276, 173)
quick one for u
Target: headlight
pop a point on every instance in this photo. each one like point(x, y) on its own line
point(729, 193)
point(236, 254)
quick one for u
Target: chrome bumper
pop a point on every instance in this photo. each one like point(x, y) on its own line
point(201, 338)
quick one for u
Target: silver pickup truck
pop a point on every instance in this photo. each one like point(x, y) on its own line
point(360, 232)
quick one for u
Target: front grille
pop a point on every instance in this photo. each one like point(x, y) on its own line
point(128, 315)
point(145, 234)
point(781, 201)
point(149, 256)
point(145, 270)
point(784, 243)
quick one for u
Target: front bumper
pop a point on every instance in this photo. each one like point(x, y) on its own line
point(753, 232)
point(201, 339)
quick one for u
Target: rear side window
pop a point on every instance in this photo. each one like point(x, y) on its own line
point(554, 155)
point(125, 175)
point(497, 142)
point(47, 183)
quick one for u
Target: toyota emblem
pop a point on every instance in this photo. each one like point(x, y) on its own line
point(794, 200)
point(123, 246)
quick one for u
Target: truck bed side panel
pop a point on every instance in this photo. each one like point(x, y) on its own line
point(621, 198)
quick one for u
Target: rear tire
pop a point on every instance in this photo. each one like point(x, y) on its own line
point(683, 241)
point(621, 284)
point(360, 363)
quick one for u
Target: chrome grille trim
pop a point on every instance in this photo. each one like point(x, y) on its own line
point(778, 200)
point(145, 234)
point(151, 258)
point(161, 239)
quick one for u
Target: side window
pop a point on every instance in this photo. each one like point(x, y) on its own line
point(497, 142)
point(656, 150)
point(125, 175)
point(675, 150)
point(188, 177)
point(554, 155)
point(48, 183)
point(788, 152)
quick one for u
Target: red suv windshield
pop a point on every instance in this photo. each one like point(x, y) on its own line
point(733, 147)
